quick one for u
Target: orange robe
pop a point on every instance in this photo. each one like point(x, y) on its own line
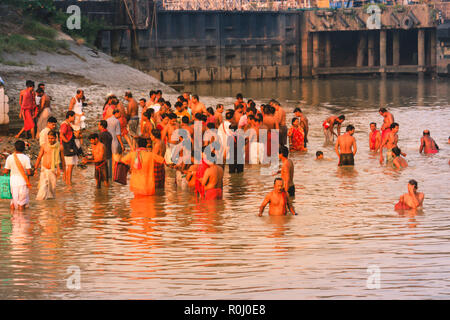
point(142, 180)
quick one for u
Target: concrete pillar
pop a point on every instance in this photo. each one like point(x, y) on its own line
point(396, 48)
point(383, 53)
point(362, 42)
point(421, 47)
point(328, 49)
point(382, 48)
point(307, 54)
point(433, 48)
point(316, 50)
point(371, 49)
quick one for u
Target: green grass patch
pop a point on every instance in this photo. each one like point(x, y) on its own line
point(37, 29)
point(17, 42)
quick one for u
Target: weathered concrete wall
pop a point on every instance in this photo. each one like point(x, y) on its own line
point(185, 46)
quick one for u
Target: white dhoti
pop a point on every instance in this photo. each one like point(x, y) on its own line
point(20, 195)
point(168, 154)
point(47, 184)
point(256, 153)
point(42, 120)
point(79, 122)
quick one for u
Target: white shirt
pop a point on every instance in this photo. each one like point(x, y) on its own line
point(16, 179)
point(78, 106)
point(43, 136)
point(156, 107)
point(224, 131)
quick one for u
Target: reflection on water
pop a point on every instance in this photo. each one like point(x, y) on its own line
point(172, 246)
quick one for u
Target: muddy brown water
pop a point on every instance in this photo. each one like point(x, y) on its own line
point(169, 246)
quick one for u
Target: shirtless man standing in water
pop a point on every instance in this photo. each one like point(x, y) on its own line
point(277, 200)
point(390, 142)
point(388, 119)
point(213, 182)
point(133, 115)
point(166, 135)
point(280, 116)
point(347, 145)
point(287, 171)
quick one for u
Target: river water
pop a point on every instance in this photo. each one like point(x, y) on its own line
point(170, 246)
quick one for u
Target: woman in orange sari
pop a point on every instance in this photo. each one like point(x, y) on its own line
point(142, 162)
point(296, 136)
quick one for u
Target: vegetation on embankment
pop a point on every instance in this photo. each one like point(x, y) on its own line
point(33, 25)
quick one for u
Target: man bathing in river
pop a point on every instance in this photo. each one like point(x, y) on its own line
point(390, 142)
point(99, 159)
point(278, 200)
point(427, 143)
point(213, 182)
point(328, 127)
point(133, 115)
point(287, 171)
point(347, 145)
point(388, 119)
point(412, 199)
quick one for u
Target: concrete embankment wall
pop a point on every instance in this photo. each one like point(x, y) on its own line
point(203, 46)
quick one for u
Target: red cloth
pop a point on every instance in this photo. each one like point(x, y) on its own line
point(297, 140)
point(373, 140)
point(199, 188)
point(402, 206)
point(269, 143)
point(66, 131)
point(28, 107)
point(213, 194)
point(28, 101)
point(325, 124)
point(432, 151)
point(28, 122)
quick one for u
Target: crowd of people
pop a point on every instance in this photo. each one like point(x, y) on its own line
point(144, 138)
